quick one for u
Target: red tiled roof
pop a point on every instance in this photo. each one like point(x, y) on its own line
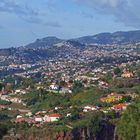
point(54, 115)
point(20, 120)
point(38, 117)
point(120, 106)
point(3, 106)
point(29, 120)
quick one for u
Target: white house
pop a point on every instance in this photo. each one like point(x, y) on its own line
point(89, 108)
point(29, 114)
point(15, 100)
point(46, 118)
point(38, 119)
point(19, 116)
point(66, 90)
point(52, 117)
point(19, 91)
point(54, 87)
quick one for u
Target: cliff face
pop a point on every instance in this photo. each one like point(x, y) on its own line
point(107, 132)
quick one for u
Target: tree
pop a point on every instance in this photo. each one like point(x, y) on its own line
point(77, 85)
point(108, 77)
point(138, 74)
point(126, 99)
point(28, 83)
point(42, 94)
point(1, 86)
point(117, 71)
point(92, 121)
point(75, 114)
point(128, 127)
point(62, 83)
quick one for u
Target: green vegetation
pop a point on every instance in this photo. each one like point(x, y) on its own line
point(108, 77)
point(70, 106)
point(5, 126)
point(128, 127)
point(2, 102)
point(60, 128)
point(90, 75)
point(5, 123)
point(87, 96)
point(1, 86)
point(49, 101)
point(31, 98)
point(117, 71)
point(40, 100)
point(91, 120)
point(77, 86)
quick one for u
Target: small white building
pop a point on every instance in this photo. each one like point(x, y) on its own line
point(29, 114)
point(54, 87)
point(66, 90)
point(19, 116)
point(19, 91)
point(69, 115)
point(15, 100)
point(38, 119)
point(46, 118)
point(89, 108)
point(52, 117)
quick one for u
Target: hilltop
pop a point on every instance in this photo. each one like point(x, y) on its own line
point(119, 37)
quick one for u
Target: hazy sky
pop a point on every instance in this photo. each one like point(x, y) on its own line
point(23, 21)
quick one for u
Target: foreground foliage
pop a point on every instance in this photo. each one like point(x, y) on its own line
point(129, 125)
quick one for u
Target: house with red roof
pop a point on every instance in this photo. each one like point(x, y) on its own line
point(120, 107)
point(20, 120)
point(3, 106)
point(52, 117)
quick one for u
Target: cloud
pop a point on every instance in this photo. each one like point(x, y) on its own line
point(126, 11)
point(53, 24)
point(23, 11)
point(50, 4)
point(100, 3)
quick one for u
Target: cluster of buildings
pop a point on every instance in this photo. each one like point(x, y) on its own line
point(113, 97)
point(88, 67)
point(116, 107)
point(127, 74)
point(6, 97)
point(38, 118)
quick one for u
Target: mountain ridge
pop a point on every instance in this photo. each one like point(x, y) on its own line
point(44, 42)
point(119, 37)
point(53, 47)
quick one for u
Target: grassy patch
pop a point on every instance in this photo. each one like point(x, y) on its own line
point(88, 96)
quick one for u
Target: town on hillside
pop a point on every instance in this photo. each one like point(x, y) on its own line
point(74, 88)
point(56, 91)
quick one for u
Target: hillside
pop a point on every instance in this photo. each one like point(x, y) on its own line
point(112, 38)
point(102, 38)
point(44, 42)
point(83, 47)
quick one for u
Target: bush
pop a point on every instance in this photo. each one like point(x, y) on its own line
point(92, 121)
point(128, 127)
point(2, 102)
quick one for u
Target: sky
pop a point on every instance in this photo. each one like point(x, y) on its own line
point(23, 21)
